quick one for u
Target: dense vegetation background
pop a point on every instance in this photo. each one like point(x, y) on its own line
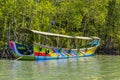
point(72, 17)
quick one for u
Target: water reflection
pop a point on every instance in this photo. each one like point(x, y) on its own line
point(62, 62)
point(84, 68)
point(78, 68)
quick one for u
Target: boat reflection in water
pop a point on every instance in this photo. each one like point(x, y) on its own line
point(84, 68)
point(71, 68)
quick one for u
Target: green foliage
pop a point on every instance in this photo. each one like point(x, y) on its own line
point(72, 17)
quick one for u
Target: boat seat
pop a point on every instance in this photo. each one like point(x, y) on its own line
point(47, 51)
point(29, 50)
point(69, 51)
point(40, 48)
point(59, 49)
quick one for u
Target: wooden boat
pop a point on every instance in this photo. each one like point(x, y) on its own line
point(43, 52)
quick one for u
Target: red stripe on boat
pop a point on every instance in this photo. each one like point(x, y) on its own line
point(41, 54)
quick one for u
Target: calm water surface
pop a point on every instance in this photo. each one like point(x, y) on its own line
point(85, 68)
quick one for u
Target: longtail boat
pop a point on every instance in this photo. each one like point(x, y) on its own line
point(36, 51)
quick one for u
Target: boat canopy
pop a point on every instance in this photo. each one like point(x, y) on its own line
point(55, 35)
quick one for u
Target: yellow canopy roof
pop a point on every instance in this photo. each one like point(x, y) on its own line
point(53, 34)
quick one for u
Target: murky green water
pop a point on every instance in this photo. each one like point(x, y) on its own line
point(88, 68)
